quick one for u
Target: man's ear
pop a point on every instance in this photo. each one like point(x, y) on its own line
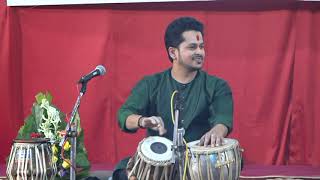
point(172, 52)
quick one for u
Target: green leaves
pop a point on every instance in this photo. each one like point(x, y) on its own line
point(41, 96)
point(28, 127)
point(82, 160)
point(37, 112)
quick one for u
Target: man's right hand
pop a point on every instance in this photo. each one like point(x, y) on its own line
point(153, 122)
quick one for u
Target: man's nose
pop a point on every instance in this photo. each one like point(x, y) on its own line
point(200, 50)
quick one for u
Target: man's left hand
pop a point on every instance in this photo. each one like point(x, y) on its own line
point(215, 136)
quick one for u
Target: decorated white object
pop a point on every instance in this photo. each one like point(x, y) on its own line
point(49, 125)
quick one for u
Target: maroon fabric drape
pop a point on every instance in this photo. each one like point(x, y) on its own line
point(11, 111)
point(268, 54)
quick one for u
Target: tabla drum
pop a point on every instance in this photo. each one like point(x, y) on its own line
point(209, 163)
point(31, 159)
point(152, 160)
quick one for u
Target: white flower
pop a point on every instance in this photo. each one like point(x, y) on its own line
point(50, 124)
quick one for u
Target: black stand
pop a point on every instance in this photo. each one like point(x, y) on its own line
point(71, 131)
point(178, 148)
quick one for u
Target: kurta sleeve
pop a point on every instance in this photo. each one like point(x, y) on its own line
point(136, 103)
point(221, 106)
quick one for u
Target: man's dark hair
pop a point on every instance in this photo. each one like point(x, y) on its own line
point(173, 36)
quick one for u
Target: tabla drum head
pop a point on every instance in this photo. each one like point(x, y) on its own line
point(156, 148)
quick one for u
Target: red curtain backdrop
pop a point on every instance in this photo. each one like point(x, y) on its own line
point(268, 54)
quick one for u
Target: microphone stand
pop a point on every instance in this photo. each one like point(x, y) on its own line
point(71, 131)
point(178, 148)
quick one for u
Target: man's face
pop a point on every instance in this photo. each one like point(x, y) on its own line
point(190, 53)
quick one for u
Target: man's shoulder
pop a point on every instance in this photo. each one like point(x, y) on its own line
point(211, 79)
point(156, 78)
point(215, 85)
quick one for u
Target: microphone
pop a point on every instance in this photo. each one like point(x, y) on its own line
point(98, 71)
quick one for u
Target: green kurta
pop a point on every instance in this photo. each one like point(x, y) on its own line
point(206, 101)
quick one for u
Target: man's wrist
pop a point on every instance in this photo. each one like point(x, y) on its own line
point(140, 121)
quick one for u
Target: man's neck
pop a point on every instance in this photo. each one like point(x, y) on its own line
point(182, 75)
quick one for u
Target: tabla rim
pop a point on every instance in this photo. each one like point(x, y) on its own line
point(205, 150)
point(32, 141)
